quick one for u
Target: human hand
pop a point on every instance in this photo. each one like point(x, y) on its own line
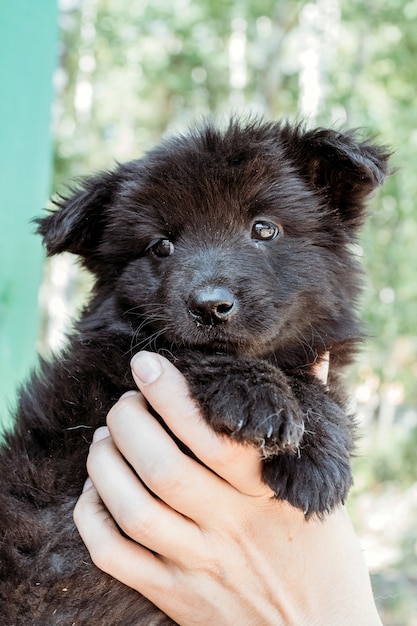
point(213, 546)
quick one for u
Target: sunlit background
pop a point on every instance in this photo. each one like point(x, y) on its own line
point(130, 71)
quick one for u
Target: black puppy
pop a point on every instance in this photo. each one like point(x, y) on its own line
point(230, 251)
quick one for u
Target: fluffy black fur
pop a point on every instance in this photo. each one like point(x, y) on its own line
point(229, 252)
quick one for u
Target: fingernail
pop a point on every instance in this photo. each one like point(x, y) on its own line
point(129, 393)
point(101, 433)
point(146, 367)
point(88, 484)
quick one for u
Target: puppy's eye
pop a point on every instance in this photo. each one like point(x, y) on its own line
point(162, 248)
point(265, 231)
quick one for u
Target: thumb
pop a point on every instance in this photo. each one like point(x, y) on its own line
point(146, 368)
point(166, 390)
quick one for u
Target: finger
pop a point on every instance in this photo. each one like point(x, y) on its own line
point(180, 481)
point(166, 390)
point(141, 516)
point(320, 368)
point(123, 559)
point(159, 580)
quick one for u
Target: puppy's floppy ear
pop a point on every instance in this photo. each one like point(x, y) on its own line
point(77, 224)
point(342, 168)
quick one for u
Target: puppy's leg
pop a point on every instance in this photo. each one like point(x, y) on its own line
point(319, 477)
point(305, 437)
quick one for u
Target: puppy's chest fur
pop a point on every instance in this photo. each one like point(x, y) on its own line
point(229, 252)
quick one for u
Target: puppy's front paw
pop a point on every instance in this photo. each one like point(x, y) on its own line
point(268, 420)
point(319, 477)
point(250, 401)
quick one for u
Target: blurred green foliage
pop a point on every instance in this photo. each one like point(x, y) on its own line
point(131, 71)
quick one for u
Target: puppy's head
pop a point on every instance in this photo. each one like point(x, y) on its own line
point(233, 240)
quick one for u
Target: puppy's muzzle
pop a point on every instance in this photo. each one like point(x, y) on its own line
point(212, 305)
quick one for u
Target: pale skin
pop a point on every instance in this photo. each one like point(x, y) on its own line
point(215, 548)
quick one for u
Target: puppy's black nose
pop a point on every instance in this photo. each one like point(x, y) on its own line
point(212, 305)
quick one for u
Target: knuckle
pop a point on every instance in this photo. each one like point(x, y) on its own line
point(166, 477)
point(213, 568)
point(138, 525)
point(223, 455)
point(102, 556)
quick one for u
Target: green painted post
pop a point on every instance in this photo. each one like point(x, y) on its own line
point(28, 54)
